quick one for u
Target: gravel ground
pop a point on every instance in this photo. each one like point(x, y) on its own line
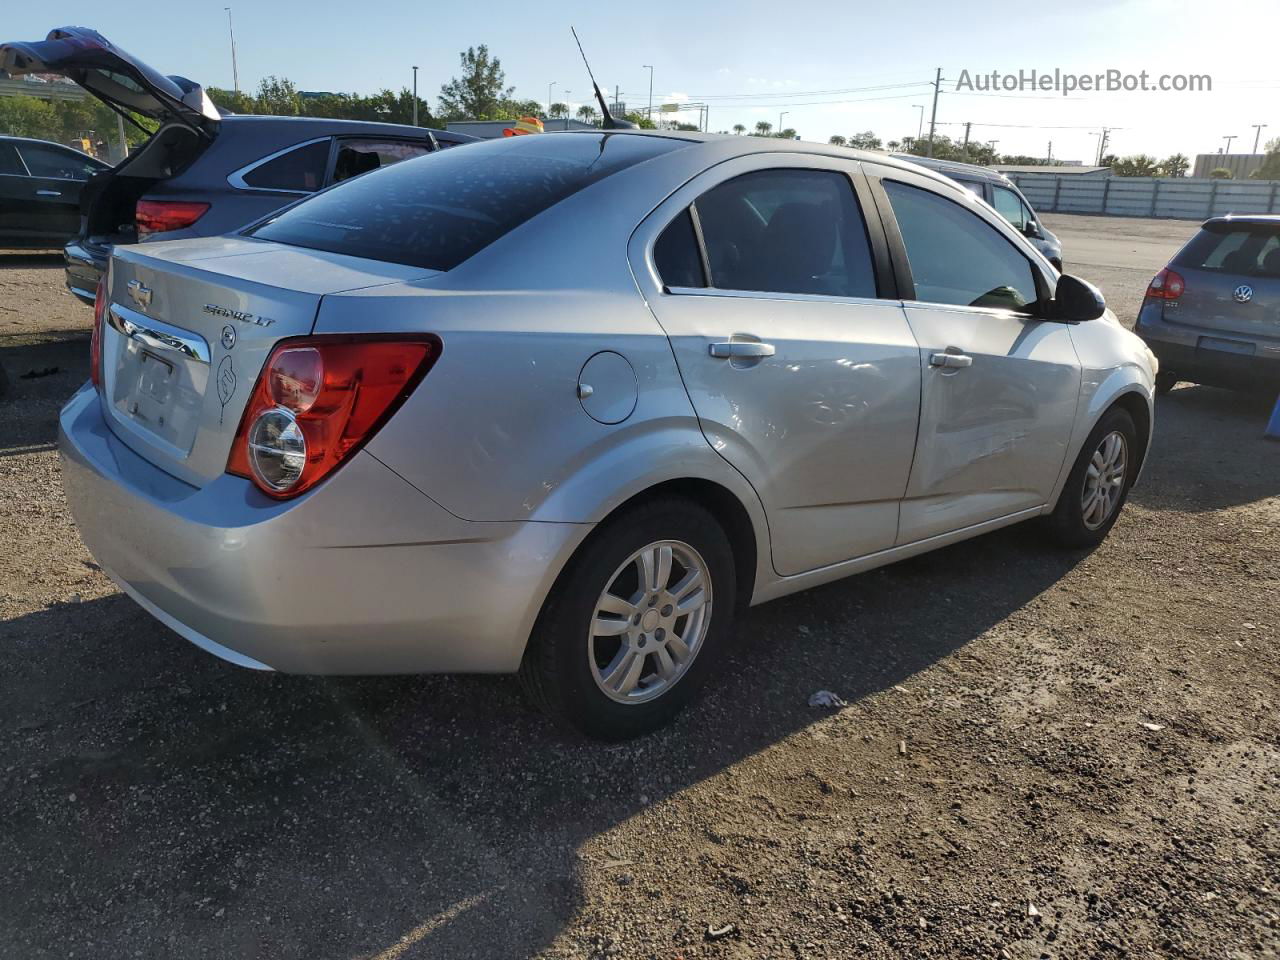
point(1044, 754)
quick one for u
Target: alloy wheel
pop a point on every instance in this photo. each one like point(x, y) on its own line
point(1104, 480)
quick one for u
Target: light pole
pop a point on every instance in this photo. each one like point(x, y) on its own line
point(1257, 137)
point(649, 113)
point(780, 116)
point(549, 86)
point(920, 125)
point(415, 96)
point(992, 145)
point(1226, 150)
point(235, 72)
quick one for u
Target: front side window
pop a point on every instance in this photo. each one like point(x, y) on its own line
point(787, 231)
point(1010, 206)
point(437, 211)
point(56, 164)
point(300, 169)
point(956, 257)
point(360, 156)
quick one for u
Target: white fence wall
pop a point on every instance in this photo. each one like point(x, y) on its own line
point(1183, 198)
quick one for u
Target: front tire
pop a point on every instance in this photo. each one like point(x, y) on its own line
point(1099, 482)
point(638, 621)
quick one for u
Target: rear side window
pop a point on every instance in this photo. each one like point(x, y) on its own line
point(438, 210)
point(1244, 249)
point(956, 257)
point(787, 231)
point(300, 169)
point(362, 156)
point(676, 254)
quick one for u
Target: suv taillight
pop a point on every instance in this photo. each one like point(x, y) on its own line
point(317, 401)
point(95, 338)
point(157, 216)
point(1166, 285)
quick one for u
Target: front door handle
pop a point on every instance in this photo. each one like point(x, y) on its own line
point(956, 360)
point(48, 193)
point(741, 348)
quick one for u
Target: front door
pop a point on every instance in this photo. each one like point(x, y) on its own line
point(999, 387)
point(803, 378)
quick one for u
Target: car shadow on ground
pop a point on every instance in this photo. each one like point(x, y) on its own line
point(30, 258)
point(1209, 451)
point(198, 809)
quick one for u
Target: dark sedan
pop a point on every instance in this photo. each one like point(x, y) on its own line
point(40, 184)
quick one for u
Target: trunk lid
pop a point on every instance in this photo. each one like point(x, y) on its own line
point(113, 76)
point(190, 324)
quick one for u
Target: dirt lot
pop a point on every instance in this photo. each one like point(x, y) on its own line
point(1044, 754)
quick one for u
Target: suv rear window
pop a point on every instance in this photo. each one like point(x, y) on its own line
point(1249, 249)
point(438, 210)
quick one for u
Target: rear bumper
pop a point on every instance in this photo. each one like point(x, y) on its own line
point(363, 575)
point(1180, 350)
point(85, 264)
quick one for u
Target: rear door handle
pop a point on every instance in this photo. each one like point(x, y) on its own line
point(741, 348)
point(956, 360)
point(48, 193)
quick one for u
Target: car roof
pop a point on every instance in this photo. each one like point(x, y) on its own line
point(1265, 219)
point(325, 125)
point(954, 168)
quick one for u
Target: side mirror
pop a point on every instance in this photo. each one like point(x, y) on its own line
point(1075, 301)
point(1032, 230)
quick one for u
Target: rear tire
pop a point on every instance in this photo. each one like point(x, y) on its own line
point(1166, 382)
point(637, 622)
point(1099, 482)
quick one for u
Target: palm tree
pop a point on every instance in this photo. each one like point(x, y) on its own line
point(559, 110)
point(763, 128)
point(739, 129)
point(1175, 166)
point(587, 113)
point(838, 141)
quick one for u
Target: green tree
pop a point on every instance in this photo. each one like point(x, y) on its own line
point(866, 140)
point(641, 121)
point(278, 97)
point(1221, 173)
point(787, 134)
point(739, 129)
point(1175, 166)
point(763, 128)
point(1139, 165)
point(478, 93)
point(559, 110)
point(231, 101)
point(587, 113)
point(1270, 169)
point(838, 141)
point(28, 117)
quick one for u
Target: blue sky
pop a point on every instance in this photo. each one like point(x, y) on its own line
point(753, 59)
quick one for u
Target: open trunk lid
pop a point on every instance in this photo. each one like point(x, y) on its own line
point(113, 76)
point(189, 325)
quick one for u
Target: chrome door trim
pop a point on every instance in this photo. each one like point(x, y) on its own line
point(236, 178)
point(156, 334)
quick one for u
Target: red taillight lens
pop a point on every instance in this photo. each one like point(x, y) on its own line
point(1166, 285)
point(95, 339)
point(157, 216)
point(317, 401)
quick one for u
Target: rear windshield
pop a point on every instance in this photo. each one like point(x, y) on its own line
point(438, 210)
point(1245, 249)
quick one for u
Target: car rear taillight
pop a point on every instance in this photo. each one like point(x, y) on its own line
point(95, 339)
point(157, 216)
point(1166, 285)
point(317, 401)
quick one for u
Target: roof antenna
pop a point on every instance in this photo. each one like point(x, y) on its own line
point(608, 123)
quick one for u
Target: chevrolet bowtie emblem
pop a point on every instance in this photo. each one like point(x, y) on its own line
point(141, 295)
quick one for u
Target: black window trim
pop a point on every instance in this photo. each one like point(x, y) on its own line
point(881, 260)
point(902, 265)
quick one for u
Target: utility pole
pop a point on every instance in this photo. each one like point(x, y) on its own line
point(920, 125)
point(415, 96)
point(549, 86)
point(1227, 149)
point(1050, 157)
point(933, 119)
point(780, 116)
point(1257, 137)
point(967, 125)
point(1102, 143)
point(649, 113)
point(992, 145)
point(615, 98)
point(235, 72)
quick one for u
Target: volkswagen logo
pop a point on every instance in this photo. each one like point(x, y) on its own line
point(228, 336)
point(1242, 293)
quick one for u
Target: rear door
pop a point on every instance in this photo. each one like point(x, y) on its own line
point(20, 219)
point(999, 387)
point(1232, 283)
point(801, 366)
point(57, 176)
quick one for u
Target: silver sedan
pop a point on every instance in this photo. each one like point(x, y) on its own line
point(565, 405)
